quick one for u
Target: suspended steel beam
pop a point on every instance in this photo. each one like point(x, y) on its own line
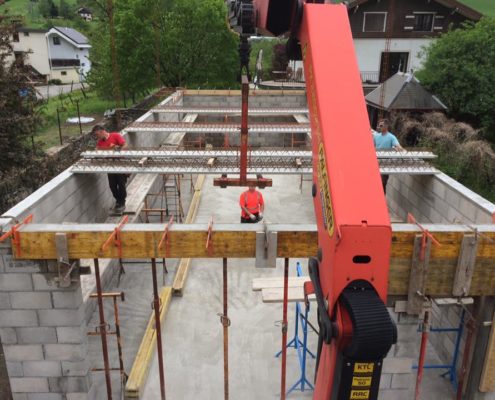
point(215, 128)
point(229, 110)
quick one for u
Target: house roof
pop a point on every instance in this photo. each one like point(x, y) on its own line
point(454, 5)
point(403, 92)
point(75, 36)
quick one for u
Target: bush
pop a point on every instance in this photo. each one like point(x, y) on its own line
point(54, 82)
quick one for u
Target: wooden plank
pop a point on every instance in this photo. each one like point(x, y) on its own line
point(277, 282)
point(465, 265)
point(417, 278)
point(487, 380)
point(276, 295)
point(138, 189)
point(185, 263)
point(141, 366)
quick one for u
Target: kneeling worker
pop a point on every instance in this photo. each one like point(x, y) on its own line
point(117, 182)
point(252, 205)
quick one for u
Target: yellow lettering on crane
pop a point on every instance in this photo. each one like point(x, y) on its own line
point(363, 368)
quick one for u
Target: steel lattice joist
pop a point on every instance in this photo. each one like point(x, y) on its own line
point(227, 162)
point(37, 241)
point(215, 127)
point(229, 110)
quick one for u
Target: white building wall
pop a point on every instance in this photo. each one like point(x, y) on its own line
point(369, 51)
point(66, 50)
point(37, 50)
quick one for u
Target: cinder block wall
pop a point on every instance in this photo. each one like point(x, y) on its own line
point(288, 99)
point(43, 327)
point(437, 199)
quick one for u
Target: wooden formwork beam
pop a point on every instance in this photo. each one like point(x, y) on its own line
point(37, 241)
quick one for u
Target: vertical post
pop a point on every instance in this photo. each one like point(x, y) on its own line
point(115, 65)
point(158, 328)
point(471, 327)
point(79, 117)
point(59, 127)
point(226, 323)
point(244, 129)
point(119, 339)
point(103, 330)
point(284, 328)
point(422, 353)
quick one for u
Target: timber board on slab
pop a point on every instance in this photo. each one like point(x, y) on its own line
point(276, 282)
point(141, 366)
point(276, 295)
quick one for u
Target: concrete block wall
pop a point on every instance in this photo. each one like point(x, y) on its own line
point(288, 99)
point(437, 199)
point(42, 331)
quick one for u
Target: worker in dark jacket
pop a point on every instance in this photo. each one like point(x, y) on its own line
point(117, 182)
point(252, 205)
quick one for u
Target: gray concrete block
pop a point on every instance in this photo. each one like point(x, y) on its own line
point(397, 365)
point(394, 394)
point(19, 396)
point(18, 318)
point(38, 335)
point(20, 266)
point(66, 352)
point(70, 384)
point(29, 385)
point(45, 396)
point(14, 369)
point(44, 282)
point(76, 368)
point(71, 334)
point(42, 368)
point(385, 381)
point(77, 396)
point(15, 282)
point(30, 300)
point(4, 301)
point(70, 299)
point(8, 336)
point(23, 352)
point(402, 381)
point(61, 317)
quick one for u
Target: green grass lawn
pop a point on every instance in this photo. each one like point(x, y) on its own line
point(486, 7)
point(29, 10)
point(91, 106)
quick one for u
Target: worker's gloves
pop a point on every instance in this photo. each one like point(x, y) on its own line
point(252, 217)
point(260, 216)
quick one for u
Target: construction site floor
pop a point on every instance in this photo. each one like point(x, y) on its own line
point(192, 332)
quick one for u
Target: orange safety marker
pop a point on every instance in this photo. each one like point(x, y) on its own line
point(16, 239)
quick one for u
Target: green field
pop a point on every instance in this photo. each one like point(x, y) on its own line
point(29, 9)
point(486, 7)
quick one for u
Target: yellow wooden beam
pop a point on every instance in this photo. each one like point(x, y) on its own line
point(141, 366)
point(293, 241)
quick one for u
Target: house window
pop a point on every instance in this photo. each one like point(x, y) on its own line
point(15, 37)
point(374, 21)
point(56, 40)
point(26, 33)
point(63, 73)
point(423, 22)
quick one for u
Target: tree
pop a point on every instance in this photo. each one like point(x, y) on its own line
point(64, 10)
point(459, 69)
point(279, 58)
point(17, 101)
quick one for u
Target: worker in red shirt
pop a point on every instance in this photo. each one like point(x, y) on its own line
point(252, 205)
point(117, 182)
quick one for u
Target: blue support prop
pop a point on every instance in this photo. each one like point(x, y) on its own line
point(451, 368)
point(300, 346)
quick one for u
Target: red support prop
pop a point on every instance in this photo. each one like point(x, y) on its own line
point(209, 238)
point(16, 239)
point(284, 329)
point(422, 353)
point(426, 234)
point(115, 236)
point(164, 238)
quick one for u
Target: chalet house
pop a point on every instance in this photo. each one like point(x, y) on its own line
point(389, 34)
point(85, 13)
point(58, 53)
